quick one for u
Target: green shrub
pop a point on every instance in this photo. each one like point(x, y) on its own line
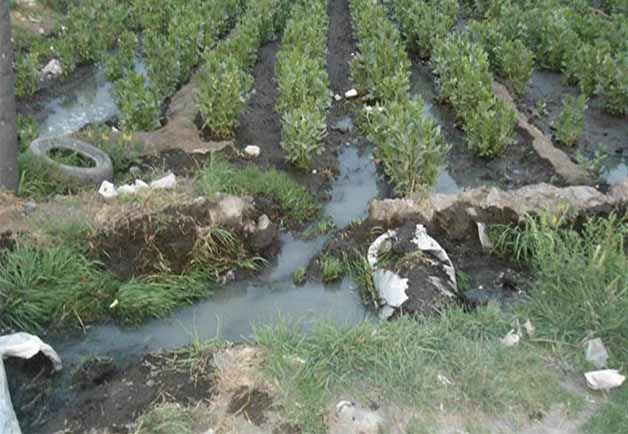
point(222, 94)
point(302, 134)
point(570, 124)
point(422, 23)
point(381, 68)
point(409, 145)
point(303, 83)
point(26, 75)
point(122, 61)
point(332, 268)
point(490, 128)
point(583, 63)
point(162, 61)
point(139, 105)
point(515, 64)
point(614, 84)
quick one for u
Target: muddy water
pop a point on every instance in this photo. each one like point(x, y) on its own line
point(90, 101)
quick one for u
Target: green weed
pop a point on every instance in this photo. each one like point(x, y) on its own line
point(299, 276)
point(166, 419)
point(332, 268)
point(570, 123)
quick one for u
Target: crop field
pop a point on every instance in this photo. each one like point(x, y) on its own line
point(273, 170)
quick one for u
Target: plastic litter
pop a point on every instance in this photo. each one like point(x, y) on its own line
point(252, 151)
point(605, 379)
point(485, 241)
point(23, 346)
point(351, 418)
point(109, 191)
point(595, 353)
point(511, 339)
point(351, 93)
point(391, 287)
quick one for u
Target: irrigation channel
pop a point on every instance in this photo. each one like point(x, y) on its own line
point(232, 312)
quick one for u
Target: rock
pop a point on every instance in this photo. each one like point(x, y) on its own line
point(252, 151)
point(229, 210)
point(265, 234)
point(337, 97)
point(595, 353)
point(263, 222)
point(52, 70)
point(30, 207)
point(351, 93)
point(167, 182)
point(351, 418)
point(344, 125)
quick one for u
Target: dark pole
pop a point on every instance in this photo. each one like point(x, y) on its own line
point(9, 176)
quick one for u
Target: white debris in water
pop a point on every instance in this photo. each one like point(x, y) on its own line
point(109, 191)
point(351, 93)
point(595, 353)
point(252, 151)
point(605, 379)
point(391, 288)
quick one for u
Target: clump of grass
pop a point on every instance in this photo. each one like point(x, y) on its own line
point(332, 268)
point(324, 227)
point(166, 419)
point(299, 276)
point(158, 295)
point(570, 123)
point(611, 418)
point(218, 251)
point(219, 176)
point(39, 285)
point(120, 147)
point(404, 359)
point(38, 181)
point(362, 274)
point(582, 278)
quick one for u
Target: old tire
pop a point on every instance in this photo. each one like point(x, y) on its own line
point(103, 170)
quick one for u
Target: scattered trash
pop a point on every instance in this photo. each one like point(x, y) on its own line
point(429, 245)
point(352, 93)
point(337, 97)
point(444, 380)
point(252, 151)
point(605, 379)
point(23, 346)
point(391, 289)
point(52, 70)
point(595, 353)
point(109, 191)
point(485, 241)
point(511, 339)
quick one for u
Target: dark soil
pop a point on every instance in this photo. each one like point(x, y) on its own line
point(176, 161)
point(602, 131)
point(520, 165)
point(141, 243)
point(260, 124)
point(252, 404)
point(102, 394)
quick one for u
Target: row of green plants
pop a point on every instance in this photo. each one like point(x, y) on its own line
point(225, 82)
point(410, 145)
point(174, 37)
point(590, 48)
point(463, 71)
point(304, 97)
point(465, 82)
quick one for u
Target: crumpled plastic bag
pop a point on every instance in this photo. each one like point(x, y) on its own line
point(108, 190)
point(605, 379)
point(23, 346)
point(391, 287)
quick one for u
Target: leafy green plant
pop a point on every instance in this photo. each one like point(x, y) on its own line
point(410, 144)
point(595, 164)
point(381, 68)
point(490, 128)
point(583, 63)
point(361, 272)
point(139, 104)
point(614, 83)
point(223, 91)
point(302, 134)
point(332, 268)
point(299, 276)
point(424, 22)
point(515, 63)
point(27, 131)
point(117, 64)
point(570, 123)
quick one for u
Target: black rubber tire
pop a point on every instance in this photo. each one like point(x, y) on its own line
point(103, 170)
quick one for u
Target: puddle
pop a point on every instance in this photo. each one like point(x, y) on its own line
point(354, 188)
point(91, 101)
point(230, 314)
point(616, 170)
